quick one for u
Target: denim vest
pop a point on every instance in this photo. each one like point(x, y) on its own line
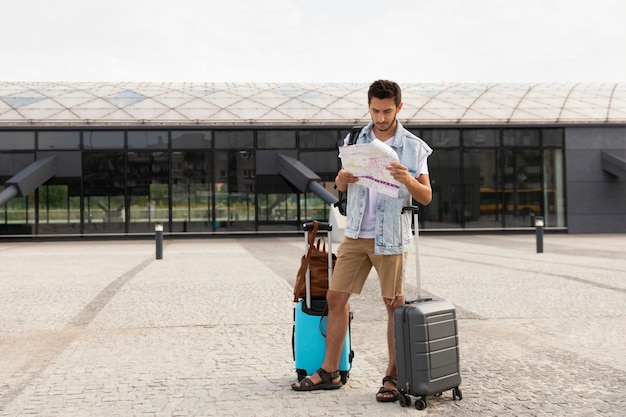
point(411, 150)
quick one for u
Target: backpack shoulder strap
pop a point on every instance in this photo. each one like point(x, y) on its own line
point(354, 134)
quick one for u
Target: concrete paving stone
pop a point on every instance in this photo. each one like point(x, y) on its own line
point(105, 329)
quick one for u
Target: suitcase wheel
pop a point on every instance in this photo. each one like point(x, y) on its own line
point(457, 394)
point(405, 400)
point(344, 376)
point(301, 374)
point(420, 403)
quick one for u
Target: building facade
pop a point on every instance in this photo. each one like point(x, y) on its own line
point(201, 158)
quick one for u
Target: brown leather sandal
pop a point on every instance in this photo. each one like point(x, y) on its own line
point(385, 390)
point(327, 382)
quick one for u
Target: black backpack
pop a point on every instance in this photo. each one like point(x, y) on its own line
point(343, 198)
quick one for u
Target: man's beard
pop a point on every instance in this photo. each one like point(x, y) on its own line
point(392, 124)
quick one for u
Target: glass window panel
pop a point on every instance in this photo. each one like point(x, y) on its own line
point(552, 137)
point(234, 139)
point(482, 205)
point(553, 188)
point(192, 139)
point(321, 162)
point(148, 139)
point(318, 139)
point(17, 216)
point(192, 192)
point(15, 141)
point(68, 162)
point(104, 214)
point(522, 187)
point(312, 207)
point(58, 140)
point(235, 186)
point(103, 188)
point(442, 138)
point(480, 137)
point(103, 173)
point(103, 139)
point(520, 137)
point(12, 163)
point(445, 173)
point(59, 206)
point(276, 139)
point(278, 201)
point(148, 179)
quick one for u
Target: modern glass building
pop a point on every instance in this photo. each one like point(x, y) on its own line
point(201, 158)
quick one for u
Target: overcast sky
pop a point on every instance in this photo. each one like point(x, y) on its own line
point(313, 40)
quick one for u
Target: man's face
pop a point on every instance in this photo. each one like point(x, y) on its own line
point(383, 113)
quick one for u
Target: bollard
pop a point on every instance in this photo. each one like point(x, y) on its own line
point(539, 232)
point(158, 228)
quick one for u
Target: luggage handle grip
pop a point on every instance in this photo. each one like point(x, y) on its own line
point(324, 226)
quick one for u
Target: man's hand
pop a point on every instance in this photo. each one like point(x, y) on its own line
point(344, 178)
point(400, 173)
point(419, 188)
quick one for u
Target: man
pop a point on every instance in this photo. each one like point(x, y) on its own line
point(373, 236)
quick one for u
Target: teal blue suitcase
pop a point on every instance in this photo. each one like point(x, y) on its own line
point(309, 327)
point(309, 337)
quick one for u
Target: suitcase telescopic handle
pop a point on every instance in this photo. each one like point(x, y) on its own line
point(415, 211)
point(324, 226)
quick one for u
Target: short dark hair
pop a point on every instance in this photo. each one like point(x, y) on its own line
point(382, 89)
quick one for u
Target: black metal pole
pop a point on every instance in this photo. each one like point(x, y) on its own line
point(158, 228)
point(539, 232)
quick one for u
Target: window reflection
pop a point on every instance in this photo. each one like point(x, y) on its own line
point(520, 137)
point(191, 139)
point(276, 139)
point(148, 139)
point(522, 187)
point(480, 137)
point(97, 139)
point(234, 139)
point(445, 173)
point(192, 191)
point(442, 138)
point(104, 184)
point(58, 140)
point(235, 190)
point(148, 190)
point(278, 202)
point(318, 139)
point(16, 141)
point(481, 206)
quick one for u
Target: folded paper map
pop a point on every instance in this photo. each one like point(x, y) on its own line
point(369, 162)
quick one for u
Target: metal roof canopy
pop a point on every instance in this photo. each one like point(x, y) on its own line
point(614, 162)
point(288, 104)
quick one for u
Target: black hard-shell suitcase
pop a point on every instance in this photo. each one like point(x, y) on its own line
point(426, 343)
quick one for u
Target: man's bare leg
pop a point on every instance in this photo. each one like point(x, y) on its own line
point(392, 369)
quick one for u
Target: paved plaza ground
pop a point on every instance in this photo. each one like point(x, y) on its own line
point(102, 328)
